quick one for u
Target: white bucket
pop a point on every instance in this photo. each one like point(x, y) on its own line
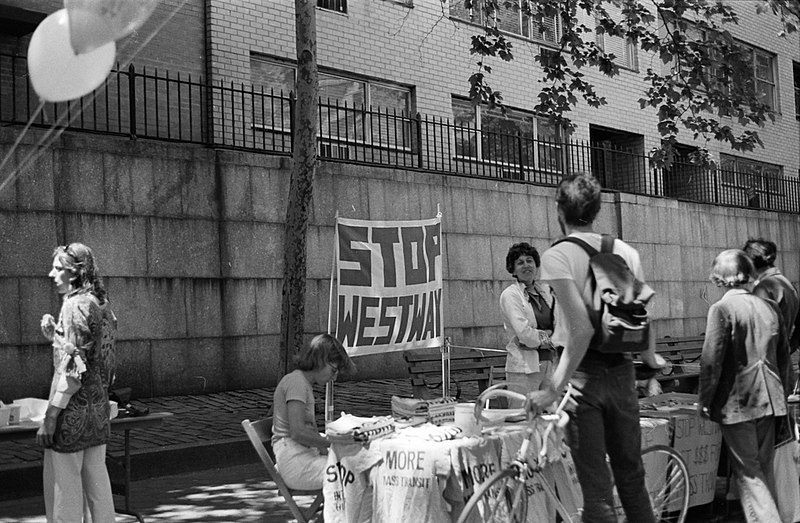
point(465, 418)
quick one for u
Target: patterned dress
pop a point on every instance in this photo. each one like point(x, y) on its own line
point(84, 337)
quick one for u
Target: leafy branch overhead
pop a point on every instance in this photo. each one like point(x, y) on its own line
point(700, 81)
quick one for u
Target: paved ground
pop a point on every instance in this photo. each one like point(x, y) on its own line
point(212, 419)
point(199, 466)
point(233, 494)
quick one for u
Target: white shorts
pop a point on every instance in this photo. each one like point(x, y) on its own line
point(301, 467)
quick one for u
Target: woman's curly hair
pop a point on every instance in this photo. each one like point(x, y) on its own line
point(520, 249)
point(732, 268)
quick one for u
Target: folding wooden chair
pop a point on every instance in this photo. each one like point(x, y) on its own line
point(260, 432)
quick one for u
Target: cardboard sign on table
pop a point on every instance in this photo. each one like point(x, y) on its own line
point(698, 440)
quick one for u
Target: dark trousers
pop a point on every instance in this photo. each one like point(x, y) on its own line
point(606, 421)
point(751, 449)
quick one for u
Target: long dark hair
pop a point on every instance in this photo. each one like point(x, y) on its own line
point(78, 259)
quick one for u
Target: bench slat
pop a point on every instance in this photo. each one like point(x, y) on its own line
point(425, 369)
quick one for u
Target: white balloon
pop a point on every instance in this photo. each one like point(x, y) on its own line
point(96, 22)
point(57, 73)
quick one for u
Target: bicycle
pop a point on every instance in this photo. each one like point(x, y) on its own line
point(503, 497)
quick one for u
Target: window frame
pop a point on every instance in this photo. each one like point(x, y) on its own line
point(736, 175)
point(476, 15)
point(753, 69)
point(537, 160)
point(363, 120)
point(335, 6)
point(631, 59)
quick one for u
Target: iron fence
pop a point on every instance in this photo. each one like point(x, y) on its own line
point(152, 104)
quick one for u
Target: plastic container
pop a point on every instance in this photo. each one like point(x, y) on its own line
point(465, 419)
point(31, 408)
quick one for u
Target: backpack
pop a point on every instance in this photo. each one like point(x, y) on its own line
point(618, 313)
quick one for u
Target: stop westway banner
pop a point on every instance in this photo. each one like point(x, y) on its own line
point(389, 285)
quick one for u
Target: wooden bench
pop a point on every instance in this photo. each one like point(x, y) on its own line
point(425, 369)
point(683, 353)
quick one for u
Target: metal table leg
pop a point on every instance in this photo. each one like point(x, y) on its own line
point(126, 491)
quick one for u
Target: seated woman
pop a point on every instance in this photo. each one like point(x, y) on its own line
point(300, 450)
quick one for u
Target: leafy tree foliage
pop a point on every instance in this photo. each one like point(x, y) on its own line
point(706, 74)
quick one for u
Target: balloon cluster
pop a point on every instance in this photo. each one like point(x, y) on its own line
point(73, 50)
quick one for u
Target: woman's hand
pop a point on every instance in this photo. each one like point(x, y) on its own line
point(48, 326)
point(44, 436)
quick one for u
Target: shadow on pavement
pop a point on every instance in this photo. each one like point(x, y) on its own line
point(238, 494)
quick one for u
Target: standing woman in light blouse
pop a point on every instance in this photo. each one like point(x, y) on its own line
point(77, 423)
point(528, 308)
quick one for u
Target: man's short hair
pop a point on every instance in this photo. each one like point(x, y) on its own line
point(578, 197)
point(732, 268)
point(762, 252)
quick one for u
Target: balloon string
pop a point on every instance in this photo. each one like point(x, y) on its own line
point(11, 151)
point(49, 137)
point(37, 150)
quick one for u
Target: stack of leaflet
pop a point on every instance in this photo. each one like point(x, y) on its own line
point(403, 408)
point(439, 411)
point(442, 411)
point(349, 428)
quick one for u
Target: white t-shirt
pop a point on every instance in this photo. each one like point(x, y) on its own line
point(567, 261)
point(409, 483)
point(293, 386)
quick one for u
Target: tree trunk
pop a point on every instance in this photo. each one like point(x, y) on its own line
point(304, 162)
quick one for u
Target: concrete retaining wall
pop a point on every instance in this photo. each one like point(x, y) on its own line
point(190, 241)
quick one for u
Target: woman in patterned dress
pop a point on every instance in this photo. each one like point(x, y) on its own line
point(76, 426)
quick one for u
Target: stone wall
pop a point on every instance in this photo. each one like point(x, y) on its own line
point(190, 241)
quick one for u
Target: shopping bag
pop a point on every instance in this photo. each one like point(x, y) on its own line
point(787, 481)
point(566, 481)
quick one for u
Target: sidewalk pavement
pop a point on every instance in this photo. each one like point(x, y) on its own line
point(199, 466)
point(204, 432)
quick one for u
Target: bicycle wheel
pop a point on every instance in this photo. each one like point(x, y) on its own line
point(667, 480)
point(501, 498)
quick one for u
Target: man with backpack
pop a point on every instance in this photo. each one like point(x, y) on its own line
point(596, 339)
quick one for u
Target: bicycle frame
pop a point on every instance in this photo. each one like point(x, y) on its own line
point(523, 467)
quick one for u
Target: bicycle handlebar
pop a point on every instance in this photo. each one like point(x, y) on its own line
point(559, 417)
point(496, 391)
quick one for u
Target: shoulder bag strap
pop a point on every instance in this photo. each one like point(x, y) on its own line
point(591, 251)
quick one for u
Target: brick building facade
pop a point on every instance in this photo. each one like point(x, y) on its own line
point(189, 235)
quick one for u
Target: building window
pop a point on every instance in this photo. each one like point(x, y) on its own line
point(759, 183)
point(351, 110)
point(617, 157)
point(623, 49)
point(515, 139)
point(760, 76)
point(796, 69)
point(753, 76)
point(340, 6)
point(510, 18)
point(275, 80)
